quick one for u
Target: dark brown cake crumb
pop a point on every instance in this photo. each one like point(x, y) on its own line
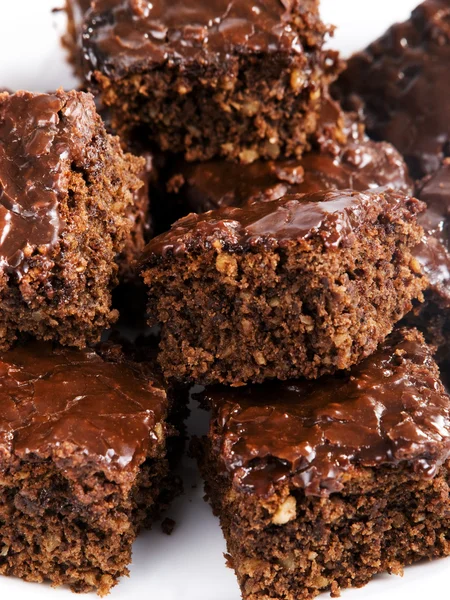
point(300, 286)
point(402, 82)
point(321, 485)
point(84, 463)
point(236, 79)
point(167, 526)
point(66, 189)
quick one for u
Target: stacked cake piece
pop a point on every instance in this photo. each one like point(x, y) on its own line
point(85, 433)
point(322, 484)
point(291, 287)
point(236, 79)
point(300, 273)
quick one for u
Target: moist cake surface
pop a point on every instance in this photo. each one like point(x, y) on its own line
point(273, 289)
point(62, 397)
point(322, 485)
point(84, 465)
point(125, 34)
point(331, 215)
point(385, 410)
point(66, 192)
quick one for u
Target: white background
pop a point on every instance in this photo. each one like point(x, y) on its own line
point(188, 565)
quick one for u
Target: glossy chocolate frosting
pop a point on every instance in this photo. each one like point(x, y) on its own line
point(123, 34)
point(332, 216)
point(404, 83)
point(434, 251)
point(389, 410)
point(361, 166)
point(59, 401)
point(41, 135)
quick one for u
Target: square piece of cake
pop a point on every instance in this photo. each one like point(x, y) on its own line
point(83, 463)
point(67, 191)
point(299, 286)
point(321, 485)
point(402, 80)
point(238, 79)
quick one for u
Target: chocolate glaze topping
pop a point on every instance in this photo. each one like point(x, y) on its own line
point(434, 252)
point(54, 397)
point(403, 80)
point(360, 166)
point(389, 410)
point(40, 136)
point(333, 216)
point(122, 34)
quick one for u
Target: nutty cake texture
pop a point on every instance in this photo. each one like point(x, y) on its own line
point(66, 192)
point(238, 79)
point(300, 286)
point(321, 485)
point(83, 464)
point(401, 80)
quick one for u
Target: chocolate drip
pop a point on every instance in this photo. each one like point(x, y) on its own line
point(403, 81)
point(333, 215)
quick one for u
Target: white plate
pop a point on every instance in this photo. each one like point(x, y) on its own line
point(188, 565)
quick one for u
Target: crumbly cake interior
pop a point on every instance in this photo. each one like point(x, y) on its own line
point(233, 316)
point(383, 521)
point(65, 292)
point(71, 524)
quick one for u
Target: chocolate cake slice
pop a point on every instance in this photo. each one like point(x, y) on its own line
point(299, 286)
point(66, 193)
point(84, 463)
point(401, 80)
point(321, 485)
point(236, 79)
